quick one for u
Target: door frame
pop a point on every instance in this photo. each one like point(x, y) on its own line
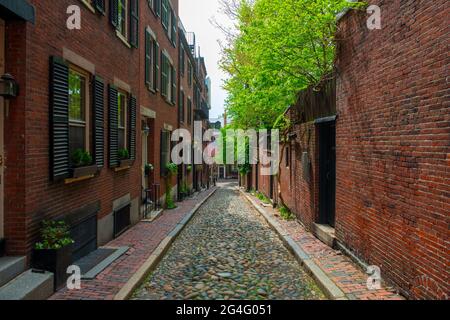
point(2, 131)
point(327, 172)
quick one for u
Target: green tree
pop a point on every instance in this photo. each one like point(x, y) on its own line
point(279, 47)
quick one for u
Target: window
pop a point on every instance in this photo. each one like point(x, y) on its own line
point(190, 74)
point(165, 14)
point(168, 79)
point(189, 111)
point(122, 109)
point(78, 110)
point(181, 106)
point(182, 61)
point(169, 21)
point(122, 17)
point(164, 75)
point(151, 58)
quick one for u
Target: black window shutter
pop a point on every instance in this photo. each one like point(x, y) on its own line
point(59, 113)
point(132, 128)
point(113, 128)
point(134, 23)
point(173, 36)
point(100, 6)
point(174, 84)
point(158, 7)
point(114, 12)
point(156, 75)
point(148, 58)
point(99, 122)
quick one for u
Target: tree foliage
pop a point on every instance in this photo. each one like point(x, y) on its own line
point(279, 47)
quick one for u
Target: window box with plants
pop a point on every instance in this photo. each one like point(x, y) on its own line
point(82, 164)
point(124, 159)
point(54, 252)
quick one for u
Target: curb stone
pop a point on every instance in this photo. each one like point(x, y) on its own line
point(150, 264)
point(331, 290)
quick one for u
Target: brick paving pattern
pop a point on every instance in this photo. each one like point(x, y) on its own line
point(228, 252)
point(348, 276)
point(142, 239)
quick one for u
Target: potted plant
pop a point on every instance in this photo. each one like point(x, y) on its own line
point(171, 170)
point(54, 252)
point(124, 158)
point(148, 168)
point(82, 164)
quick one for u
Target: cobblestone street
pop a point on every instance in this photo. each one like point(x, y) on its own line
point(228, 251)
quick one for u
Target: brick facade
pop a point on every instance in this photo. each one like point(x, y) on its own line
point(392, 146)
point(30, 194)
point(392, 205)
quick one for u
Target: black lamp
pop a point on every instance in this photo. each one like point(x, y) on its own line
point(8, 86)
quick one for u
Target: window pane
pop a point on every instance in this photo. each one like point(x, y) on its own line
point(77, 139)
point(77, 85)
point(121, 139)
point(121, 104)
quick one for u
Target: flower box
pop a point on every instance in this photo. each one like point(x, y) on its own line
point(53, 260)
point(84, 171)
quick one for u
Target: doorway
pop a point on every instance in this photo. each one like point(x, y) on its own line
point(2, 114)
point(327, 173)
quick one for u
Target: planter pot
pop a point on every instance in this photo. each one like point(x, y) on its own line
point(2, 247)
point(126, 163)
point(84, 171)
point(55, 261)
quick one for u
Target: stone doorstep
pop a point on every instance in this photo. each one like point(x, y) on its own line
point(11, 267)
point(326, 234)
point(28, 286)
point(153, 216)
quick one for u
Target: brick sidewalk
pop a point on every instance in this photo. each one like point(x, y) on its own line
point(348, 276)
point(142, 239)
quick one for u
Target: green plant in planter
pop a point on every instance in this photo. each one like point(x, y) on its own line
point(81, 158)
point(189, 169)
point(54, 235)
point(123, 154)
point(171, 170)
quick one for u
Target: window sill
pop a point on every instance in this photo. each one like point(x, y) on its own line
point(151, 89)
point(123, 39)
point(124, 165)
point(89, 6)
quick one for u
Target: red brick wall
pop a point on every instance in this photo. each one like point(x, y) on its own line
point(299, 194)
point(14, 141)
point(393, 135)
point(30, 195)
point(165, 113)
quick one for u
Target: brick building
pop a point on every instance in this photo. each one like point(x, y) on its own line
point(95, 105)
point(366, 165)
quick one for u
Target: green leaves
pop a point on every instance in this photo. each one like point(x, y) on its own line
point(54, 235)
point(282, 47)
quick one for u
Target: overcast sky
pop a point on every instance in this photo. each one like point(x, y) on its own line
point(195, 16)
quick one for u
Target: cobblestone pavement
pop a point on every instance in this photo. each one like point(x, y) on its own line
point(227, 252)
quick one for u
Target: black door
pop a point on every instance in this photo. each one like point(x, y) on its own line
point(327, 172)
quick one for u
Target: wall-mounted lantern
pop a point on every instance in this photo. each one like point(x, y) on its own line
point(145, 128)
point(8, 86)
